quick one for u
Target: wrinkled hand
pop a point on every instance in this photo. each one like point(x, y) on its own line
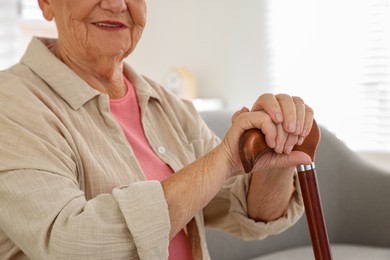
point(284, 120)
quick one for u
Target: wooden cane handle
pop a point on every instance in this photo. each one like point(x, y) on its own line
point(252, 146)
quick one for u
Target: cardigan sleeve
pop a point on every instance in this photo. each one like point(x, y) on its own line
point(228, 211)
point(45, 213)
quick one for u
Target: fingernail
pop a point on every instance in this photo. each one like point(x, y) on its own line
point(304, 132)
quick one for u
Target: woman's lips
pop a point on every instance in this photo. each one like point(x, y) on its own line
point(109, 25)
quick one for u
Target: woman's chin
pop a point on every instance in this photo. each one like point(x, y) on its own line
point(109, 52)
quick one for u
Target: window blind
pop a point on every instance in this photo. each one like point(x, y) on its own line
point(335, 54)
point(375, 87)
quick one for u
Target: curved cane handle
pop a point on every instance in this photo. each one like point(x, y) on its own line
point(253, 146)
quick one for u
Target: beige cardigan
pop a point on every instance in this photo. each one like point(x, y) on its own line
point(70, 185)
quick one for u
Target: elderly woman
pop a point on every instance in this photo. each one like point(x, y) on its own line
point(89, 147)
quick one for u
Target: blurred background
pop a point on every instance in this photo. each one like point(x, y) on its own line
point(223, 54)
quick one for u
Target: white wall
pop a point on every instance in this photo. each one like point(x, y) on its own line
point(221, 42)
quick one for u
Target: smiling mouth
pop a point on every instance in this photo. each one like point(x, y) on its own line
point(110, 25)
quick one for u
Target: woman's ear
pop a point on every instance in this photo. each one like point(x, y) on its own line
point(47, 11)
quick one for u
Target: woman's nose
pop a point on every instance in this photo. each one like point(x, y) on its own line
point(115, 6)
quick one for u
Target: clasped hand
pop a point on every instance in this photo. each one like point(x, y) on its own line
point(284, 120)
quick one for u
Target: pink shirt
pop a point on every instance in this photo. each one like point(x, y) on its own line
point(126, 112)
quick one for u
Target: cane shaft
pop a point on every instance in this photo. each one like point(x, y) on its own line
point(314, 214)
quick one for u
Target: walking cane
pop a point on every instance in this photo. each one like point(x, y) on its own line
point(253, 145)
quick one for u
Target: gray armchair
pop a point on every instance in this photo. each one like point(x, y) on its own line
point(355, 199)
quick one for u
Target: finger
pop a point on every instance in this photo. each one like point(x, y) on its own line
point(280, 139)
point(307, 125)
point(289, 112)
point(260, 120)
point(270, 132)
point(300, 114)
point(309, 117)
point(269, 104)
point(237, 113)
point(270, 160)
point(291, 141)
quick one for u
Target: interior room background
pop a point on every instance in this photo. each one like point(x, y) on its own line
point(333, 53)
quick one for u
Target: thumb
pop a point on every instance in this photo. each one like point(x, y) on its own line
point(298, 158)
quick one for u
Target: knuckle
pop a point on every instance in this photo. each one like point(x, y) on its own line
point(265, 97)
point(238, 118)
point(298, 100)
point(262, 101)
point(283, 97)
point(309, 109)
